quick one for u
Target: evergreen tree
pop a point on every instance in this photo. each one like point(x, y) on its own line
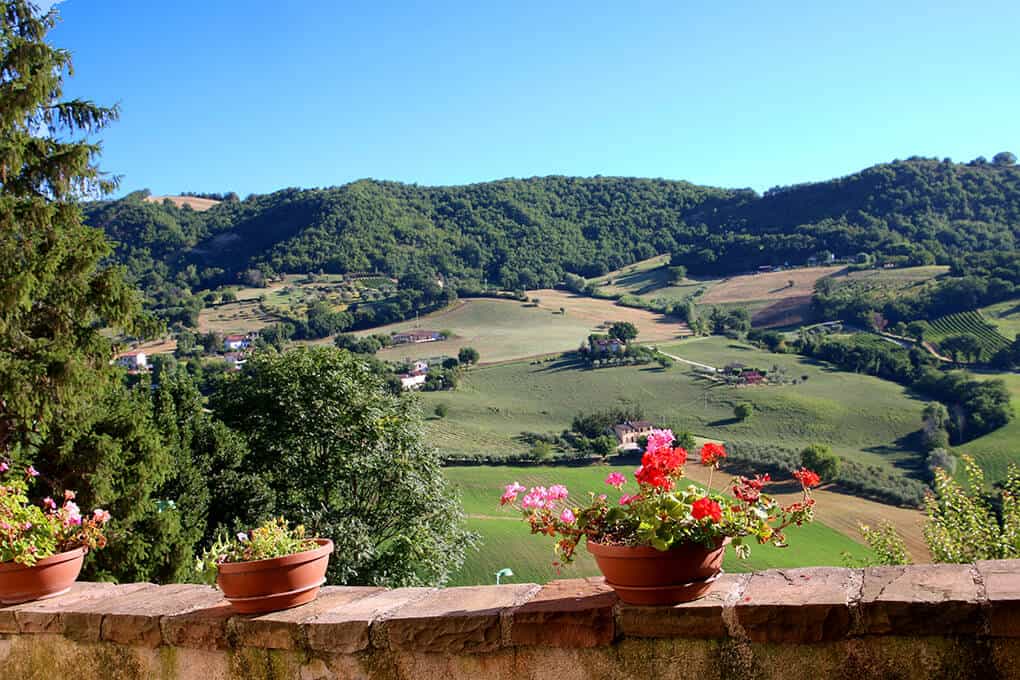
point(62, 406)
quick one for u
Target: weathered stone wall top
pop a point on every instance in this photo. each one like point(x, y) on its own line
point(799, 606)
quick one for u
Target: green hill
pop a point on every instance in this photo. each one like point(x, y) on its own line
point(527, 233)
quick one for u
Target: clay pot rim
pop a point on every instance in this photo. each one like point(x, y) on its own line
point(66, 556)
point(638, 552)
point(324, 550)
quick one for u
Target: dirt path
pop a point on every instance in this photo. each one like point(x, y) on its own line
point(713, 369)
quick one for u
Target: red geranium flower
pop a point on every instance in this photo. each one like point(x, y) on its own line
point(706, 507)
point(711, 453)
point(807, 478)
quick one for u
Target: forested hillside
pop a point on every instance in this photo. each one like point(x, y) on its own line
point(520, 234)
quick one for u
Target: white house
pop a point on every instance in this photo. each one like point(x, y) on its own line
point(412, 382)
point(233, 343)
point(132, 361)
point(420, 367)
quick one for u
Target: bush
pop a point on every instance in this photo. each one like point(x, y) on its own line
point(820, 458)
point(743, 411)
point(441, 410)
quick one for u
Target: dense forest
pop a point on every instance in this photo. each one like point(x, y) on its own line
point(519, 234)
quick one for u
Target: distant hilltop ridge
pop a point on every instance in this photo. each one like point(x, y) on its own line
point(521, 234)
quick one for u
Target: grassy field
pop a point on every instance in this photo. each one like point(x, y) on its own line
point(889, 280)
point(502, 330)
point(506, 541)
point(997, 450)
point(195, 203)
point(649, 279)
point(859, 416)
point(235, 317)
point(1005, 316)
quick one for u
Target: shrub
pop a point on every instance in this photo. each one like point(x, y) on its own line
point(820, 458)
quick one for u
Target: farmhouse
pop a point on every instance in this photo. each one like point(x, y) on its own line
point(233, 343)
point(606, 345)
point(628, 432)
point(415, 336)
point(412, 381)
point(132, 361)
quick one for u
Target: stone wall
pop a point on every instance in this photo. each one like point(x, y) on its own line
point(927, 621)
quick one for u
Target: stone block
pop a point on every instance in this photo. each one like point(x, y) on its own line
point(566, 613)
point(1001, 580)
point(796, 605)
point(453, 620)
point(922, 599)
point(699, 619)
point(283, 629)
point(346, 629)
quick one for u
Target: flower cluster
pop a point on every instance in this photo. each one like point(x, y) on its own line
point(271, 539)
point(662, 462)
point(664, 512)
point(29, 532)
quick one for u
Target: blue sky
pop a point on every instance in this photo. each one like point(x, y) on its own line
point(254, 96)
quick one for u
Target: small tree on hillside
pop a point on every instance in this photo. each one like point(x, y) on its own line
point(624, 331)
point(468, 356)
point(743, 411)
point(822, 460)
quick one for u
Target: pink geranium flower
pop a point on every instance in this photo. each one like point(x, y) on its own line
point(616, 479)
point(101, 516)
point(510, 495)
point(30, 471)
point(556, 492)
point(567, 516)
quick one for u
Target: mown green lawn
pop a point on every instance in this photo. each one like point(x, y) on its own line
point(506, 541)
point(858, 416)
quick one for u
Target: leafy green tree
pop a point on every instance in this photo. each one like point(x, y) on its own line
point(1004, 159)
point(346, 457)
point(743, 411)
point(468, 356)
point(934, 426)
point(623, 330)
point(887, 546)
point(962, 525)
point(207, 488)
point(917, 330)
point(822, 460)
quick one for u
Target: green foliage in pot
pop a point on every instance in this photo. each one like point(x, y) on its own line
point(271, 539)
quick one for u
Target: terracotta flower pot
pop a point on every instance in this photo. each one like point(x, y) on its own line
point(644, 575)
point(49, 577)
point(269, 585)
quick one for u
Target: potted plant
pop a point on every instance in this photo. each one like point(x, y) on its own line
point(42, 547)
point(268, 568)
point(663, 544)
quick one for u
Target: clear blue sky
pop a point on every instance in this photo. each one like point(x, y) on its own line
point(254, 96)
